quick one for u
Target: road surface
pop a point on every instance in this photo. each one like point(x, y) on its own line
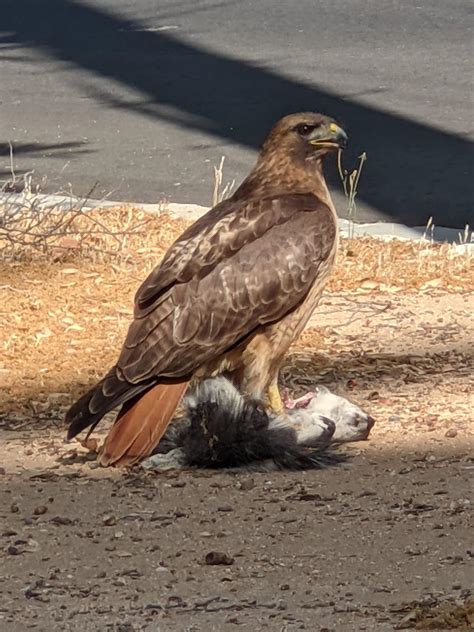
point(139, 99)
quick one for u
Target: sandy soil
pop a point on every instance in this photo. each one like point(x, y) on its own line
point(380, 543)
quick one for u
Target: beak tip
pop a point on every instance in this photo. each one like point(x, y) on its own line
point(339, 135)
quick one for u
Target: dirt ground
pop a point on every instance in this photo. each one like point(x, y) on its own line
point(380, 543)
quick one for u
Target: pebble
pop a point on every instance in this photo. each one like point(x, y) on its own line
point(217, 558)
point(61, 520)
point(178, 484)
point(247, 484)
point(451, 433)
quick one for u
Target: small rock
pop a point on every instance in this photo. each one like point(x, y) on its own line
point(216, 558)
point(178, 484)
point(39, 511)
point(90, 444)
point(247, 484)
point(451, 433)
point(109, 521)
point(33, 545)
point(225, 508)
point(179, 514)
point(162, 569)
point(61, 520)
point(13, 550)
point(14, 508)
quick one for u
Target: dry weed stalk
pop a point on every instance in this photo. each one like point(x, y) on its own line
point(350, 182)
point(219, 193)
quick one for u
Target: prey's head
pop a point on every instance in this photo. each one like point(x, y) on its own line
point(306, 135)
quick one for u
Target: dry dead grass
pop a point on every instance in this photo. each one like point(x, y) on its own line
point(393, 328)
point(67, 295)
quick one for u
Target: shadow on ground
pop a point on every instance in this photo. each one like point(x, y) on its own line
point(415, 171)
point(350, 547)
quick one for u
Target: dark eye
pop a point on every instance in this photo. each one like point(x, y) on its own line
point(304, 129)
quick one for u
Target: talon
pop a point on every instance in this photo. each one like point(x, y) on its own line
point(275, 400)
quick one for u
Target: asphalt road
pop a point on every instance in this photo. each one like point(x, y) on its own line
point(138, 99)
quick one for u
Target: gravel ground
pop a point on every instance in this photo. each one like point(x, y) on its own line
point(379, 543)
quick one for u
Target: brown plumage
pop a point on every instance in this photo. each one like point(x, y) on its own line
point(231, 294)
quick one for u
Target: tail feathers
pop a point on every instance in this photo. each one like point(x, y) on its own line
point(106, 395)
point(222, 429)
point(141, 424)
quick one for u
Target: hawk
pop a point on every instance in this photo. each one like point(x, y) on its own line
point(230, 296)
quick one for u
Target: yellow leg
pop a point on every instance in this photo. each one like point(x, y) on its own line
point(274, 399)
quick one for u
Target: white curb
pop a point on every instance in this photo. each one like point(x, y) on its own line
point(191, 212)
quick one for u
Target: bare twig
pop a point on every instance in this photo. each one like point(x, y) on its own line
point(218, 193)
point(26, 226)
point(350, 182)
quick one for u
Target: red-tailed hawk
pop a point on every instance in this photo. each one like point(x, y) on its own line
point(229, 297)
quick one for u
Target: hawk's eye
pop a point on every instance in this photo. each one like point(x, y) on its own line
point(304, 129)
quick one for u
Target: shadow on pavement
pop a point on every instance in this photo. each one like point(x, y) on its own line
point(415, 171)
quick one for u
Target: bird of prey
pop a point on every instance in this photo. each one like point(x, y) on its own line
point(230, 296)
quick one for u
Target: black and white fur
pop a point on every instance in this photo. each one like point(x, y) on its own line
point(221, 429)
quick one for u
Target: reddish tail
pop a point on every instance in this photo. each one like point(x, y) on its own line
point(140, 426)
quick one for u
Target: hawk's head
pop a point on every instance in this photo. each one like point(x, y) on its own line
point(306, 135)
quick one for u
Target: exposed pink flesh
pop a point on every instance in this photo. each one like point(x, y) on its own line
point(299, 402)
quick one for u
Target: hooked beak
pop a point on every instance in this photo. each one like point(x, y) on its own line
point(331, 136)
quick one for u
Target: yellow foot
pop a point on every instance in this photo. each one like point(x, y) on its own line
point(274, 400)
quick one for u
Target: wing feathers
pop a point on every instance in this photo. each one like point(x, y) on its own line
point(106, 395)
point(217, 235)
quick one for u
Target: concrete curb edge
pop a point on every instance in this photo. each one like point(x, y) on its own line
point(191, 212)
